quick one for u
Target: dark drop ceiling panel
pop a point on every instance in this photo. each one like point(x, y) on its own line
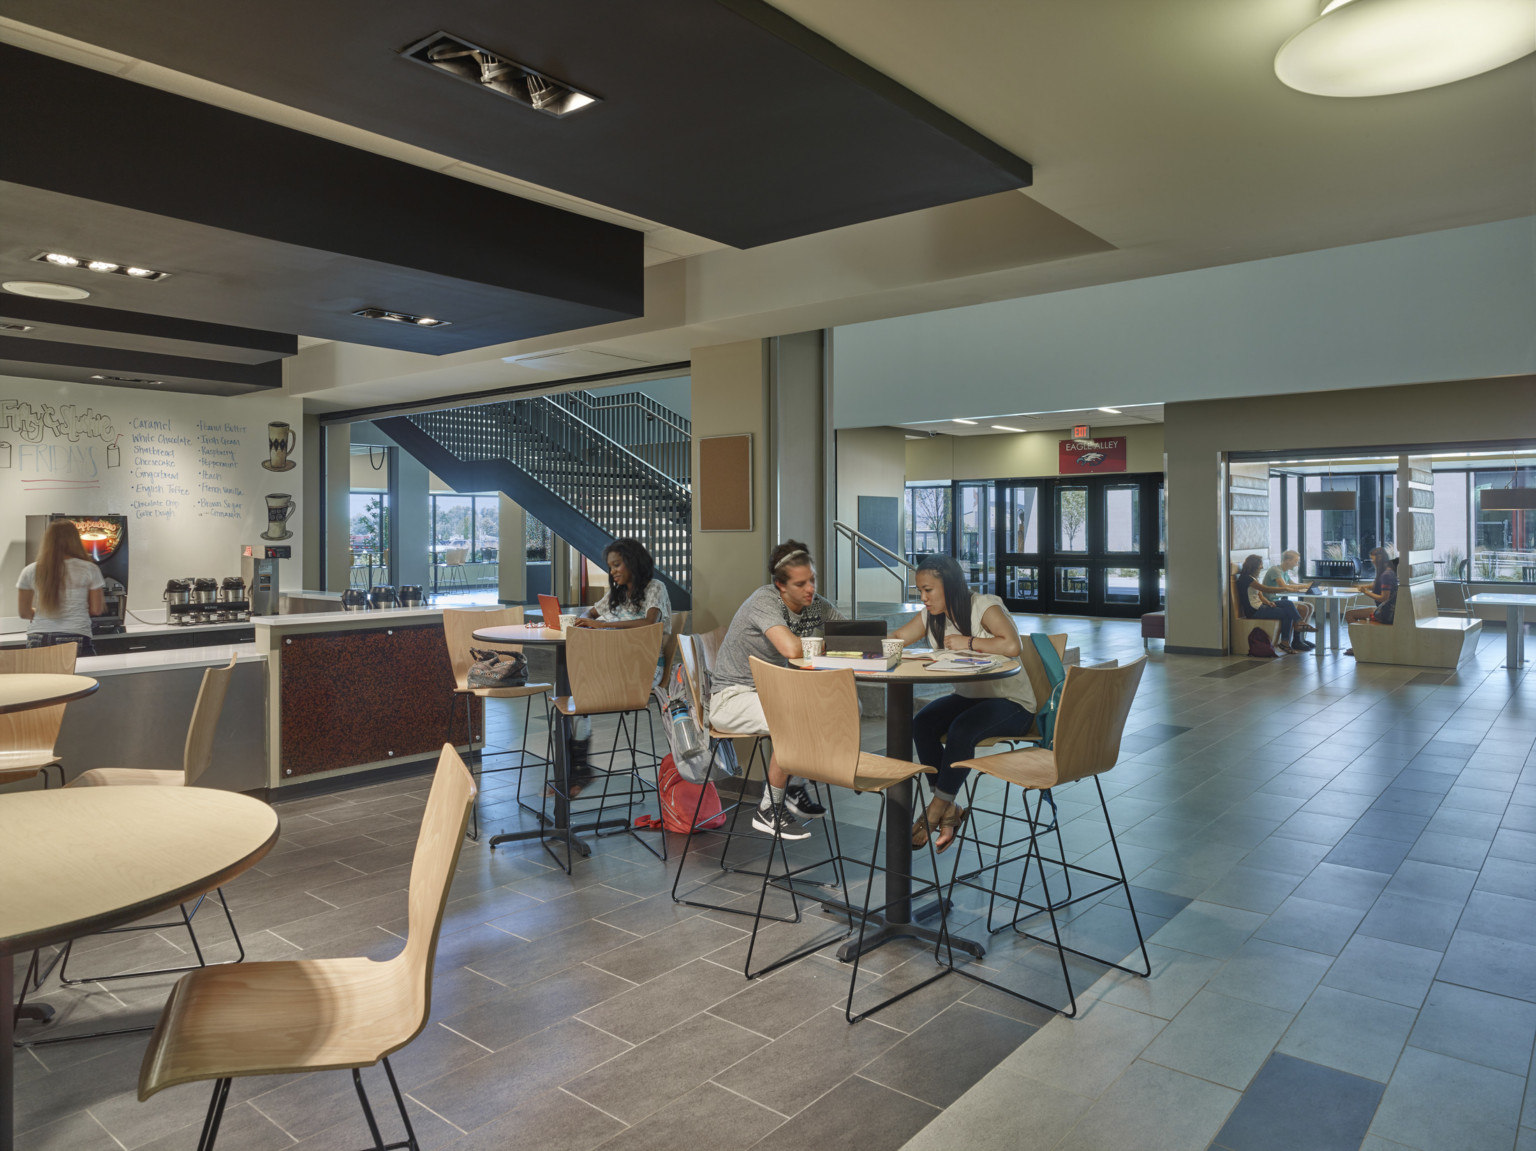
point(70, 321)
point(721, 117)
point(111, 367)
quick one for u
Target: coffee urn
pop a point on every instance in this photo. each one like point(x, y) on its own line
point(259, 571)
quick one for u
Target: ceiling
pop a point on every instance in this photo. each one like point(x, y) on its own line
point(1159, 137)
point(986, 425)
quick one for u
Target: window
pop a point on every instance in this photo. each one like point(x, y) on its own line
point(1021, 520)
point(928, 520)
point(466, 540)
point(1071, 519)
point(1451, 525)
point(1122, 518)
point(974, 539)
point(1503, 543)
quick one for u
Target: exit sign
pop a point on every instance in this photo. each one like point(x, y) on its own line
point(1080, 432)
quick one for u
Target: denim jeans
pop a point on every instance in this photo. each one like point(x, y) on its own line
point(964, 722)
point(50, 638)
point(1285, 612)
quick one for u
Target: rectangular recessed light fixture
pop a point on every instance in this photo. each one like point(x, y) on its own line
point(87, 263)
point(15, 327)
point(401, 318)
point(972, 422)
point(129, 380)
point(493, 72)
point(1111, 411)
point(1006, 428)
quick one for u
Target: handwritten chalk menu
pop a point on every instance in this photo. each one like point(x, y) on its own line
point(187, 471)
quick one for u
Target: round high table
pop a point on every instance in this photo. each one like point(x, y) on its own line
point(537, 635)
point(1515, 605)
point(897, 920)
point(25, 690)
point(80, 861)
point(1329, 602)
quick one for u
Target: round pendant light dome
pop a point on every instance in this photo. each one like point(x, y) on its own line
point(1380, 47)
point(43, 290)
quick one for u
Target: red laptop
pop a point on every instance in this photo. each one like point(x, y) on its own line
point(550, 606)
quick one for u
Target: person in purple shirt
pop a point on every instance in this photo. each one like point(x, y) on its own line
point(1383, 591)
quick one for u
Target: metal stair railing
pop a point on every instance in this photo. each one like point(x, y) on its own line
point(587, 470)
point(875, 550)
point(650, 430)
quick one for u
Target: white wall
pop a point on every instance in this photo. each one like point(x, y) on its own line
point(185, 469)
point(1450, 305)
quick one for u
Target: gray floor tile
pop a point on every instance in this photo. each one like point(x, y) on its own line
point(1504, 916)
point(1250, 889)
point(1487, 963)
point(855, 1113)
point(1167, 1110)
point(520, 1011)
point(995, 1111)
point(708, 1116)
point(550, 1121)
point(1209, 929)
point(1412, 920)
point(1432, 881)
point(1292, 857)
point(1294, 1104)
point(1349, 1032)
point(941, 1060)
point(1310, 925)
point(1271, 974)
point(646, 1078)
point(790, 1073)
point(1463, 1023)
point(1507, 877)
point(1382, 969)
point(78, 1132)
point(1219, 1038)
point(1176, 977)
point(644, 959)
point(1344, 886)
point(649, 1009)
point(1437, 1103)
point(1370, 853)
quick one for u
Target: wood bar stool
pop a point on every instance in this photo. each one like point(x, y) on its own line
point(612, 670)
point(27, 738)
point(459, 626)
point(318, 1014)
point(814, 719)
point(196, 756)
point(1086, 742)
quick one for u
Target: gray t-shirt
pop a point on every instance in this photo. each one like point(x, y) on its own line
point(73, 616)
point(748, 634)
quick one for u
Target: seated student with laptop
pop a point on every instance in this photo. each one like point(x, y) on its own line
point(769, 625)
point(1252, 603)
point(1276, 582)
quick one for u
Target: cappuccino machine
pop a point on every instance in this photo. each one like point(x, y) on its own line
point(105, 538)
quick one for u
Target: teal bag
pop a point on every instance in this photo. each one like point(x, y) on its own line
point(1056, 672)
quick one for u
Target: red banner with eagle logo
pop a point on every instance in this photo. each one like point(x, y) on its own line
point(1084, 457)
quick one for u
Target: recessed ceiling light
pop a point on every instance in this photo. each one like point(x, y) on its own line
point(487, 70)
point(962, 421)
point(1382, 47)
point(43, 290)
point(1006, 428)
point(65, 260)
point(129, 380)
point(1111, 411)
point(401, 318)
point(7, 327)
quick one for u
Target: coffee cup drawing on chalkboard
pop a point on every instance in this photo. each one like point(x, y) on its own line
point(281, 440)
point(279, 507)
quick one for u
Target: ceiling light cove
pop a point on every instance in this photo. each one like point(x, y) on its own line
point(494, 73)
point(1006, 428)
point(958, 421)
point(132, 271)
point(1382, 47)
point(401, 318)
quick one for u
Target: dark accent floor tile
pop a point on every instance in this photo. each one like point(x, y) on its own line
point(855, 1113)
point(940, 1061)
point(1292, 1104)
point(1235, 669)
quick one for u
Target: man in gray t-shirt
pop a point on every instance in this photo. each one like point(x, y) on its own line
point(1277, 581)
point(747, 635)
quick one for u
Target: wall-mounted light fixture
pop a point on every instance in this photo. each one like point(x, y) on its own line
point(1382, 47)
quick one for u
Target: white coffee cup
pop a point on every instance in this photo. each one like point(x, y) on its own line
point(811, 645)
point(891, 648)
point(567, 621)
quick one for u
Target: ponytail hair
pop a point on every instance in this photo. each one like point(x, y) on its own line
point(61, 542)
point(957, 597)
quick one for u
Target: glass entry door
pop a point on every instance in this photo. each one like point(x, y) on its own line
point(1088, 545)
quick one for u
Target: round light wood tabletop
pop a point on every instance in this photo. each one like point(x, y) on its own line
point(24, 690)
point(521, 633)
point(916, 671)
point(81, 860)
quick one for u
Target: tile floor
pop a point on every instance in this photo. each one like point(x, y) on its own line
point(1335, 867)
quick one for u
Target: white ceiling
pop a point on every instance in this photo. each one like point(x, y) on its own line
point(1161, 141)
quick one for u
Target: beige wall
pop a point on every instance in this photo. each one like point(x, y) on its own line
point(870, 462)
point(730, 391)
point(1199, 434)
point(512, 565)
point(338, 527)
point(1027, 454)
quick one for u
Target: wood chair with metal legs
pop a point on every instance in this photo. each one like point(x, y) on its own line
point(302, 1015)
point(814, 719)
point(27, 738)
point(197, 755)
point(1089, 723)
point(459, 627)
point(611, 671)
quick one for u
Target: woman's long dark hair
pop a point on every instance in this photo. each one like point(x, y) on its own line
point(957, 596)
point(1251, 566)
point(641, 568)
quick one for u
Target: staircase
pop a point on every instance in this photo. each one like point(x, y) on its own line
point(574, 474)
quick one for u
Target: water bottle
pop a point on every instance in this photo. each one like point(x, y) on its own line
point(686, 738)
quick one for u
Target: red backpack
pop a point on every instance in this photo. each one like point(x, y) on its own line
point(1259, 645)
point(680, 799)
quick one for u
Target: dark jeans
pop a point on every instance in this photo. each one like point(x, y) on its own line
point(963, 722)
point(1286, 613)
point(50, 638)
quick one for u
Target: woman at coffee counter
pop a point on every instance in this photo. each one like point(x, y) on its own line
point(634, 599)
point(59, 594)
point(947, 730)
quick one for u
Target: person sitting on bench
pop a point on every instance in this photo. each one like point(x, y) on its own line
point(1254, 604)
point(1278, 583)
point(1383, 591)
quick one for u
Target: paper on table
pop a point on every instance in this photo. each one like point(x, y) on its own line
point(963, 661)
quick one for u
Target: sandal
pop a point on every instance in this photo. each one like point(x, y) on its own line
point(952, 821)
point(931, 819)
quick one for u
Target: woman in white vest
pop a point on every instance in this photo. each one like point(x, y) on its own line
point(946, 731)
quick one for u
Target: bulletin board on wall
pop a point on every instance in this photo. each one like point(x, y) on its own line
point(196, 476)
point(879, 519)
point(725, 483)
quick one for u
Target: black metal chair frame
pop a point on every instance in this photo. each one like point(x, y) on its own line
point(1033, 856)
point(475, 760)
point(215, 1114)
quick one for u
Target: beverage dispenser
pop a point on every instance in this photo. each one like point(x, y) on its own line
point(259, 570)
